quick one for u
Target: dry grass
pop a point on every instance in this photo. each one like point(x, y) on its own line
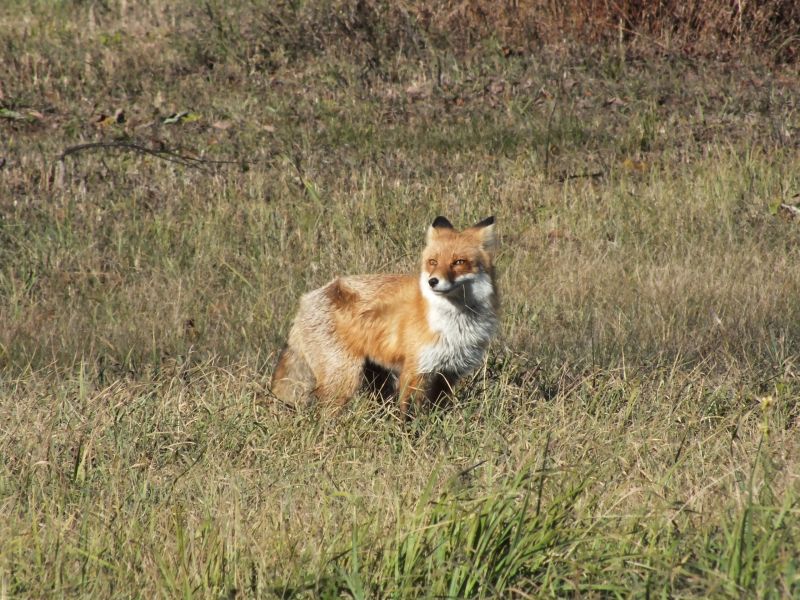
point(634, 431)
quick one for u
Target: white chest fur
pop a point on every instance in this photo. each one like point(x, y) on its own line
point(465, 325)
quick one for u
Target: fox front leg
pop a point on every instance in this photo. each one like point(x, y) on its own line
point(439, 390)
point(409, 385)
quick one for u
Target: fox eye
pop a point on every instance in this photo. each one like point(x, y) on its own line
point(432, 262)
point(458, 262)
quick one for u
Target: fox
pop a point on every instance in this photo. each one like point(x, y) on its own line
point(424, 331)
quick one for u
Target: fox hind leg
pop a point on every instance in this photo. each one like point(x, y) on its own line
point(293, 381)
point(340, 382)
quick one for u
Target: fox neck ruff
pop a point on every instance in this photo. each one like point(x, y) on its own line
point(464, 320)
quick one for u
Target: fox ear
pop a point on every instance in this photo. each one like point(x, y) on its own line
point(438, 223)
point(485, 230)
point(441, 221)
point(486, 222)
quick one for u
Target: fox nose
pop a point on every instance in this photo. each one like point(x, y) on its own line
point(433, 281)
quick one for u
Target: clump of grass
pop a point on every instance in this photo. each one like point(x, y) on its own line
point(465, 546)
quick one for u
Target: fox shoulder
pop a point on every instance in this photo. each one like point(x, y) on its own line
point(340, 294)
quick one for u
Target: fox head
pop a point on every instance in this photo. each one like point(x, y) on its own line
point(455, 260)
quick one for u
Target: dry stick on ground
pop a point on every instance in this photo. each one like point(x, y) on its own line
point(169, 155)
point(561, 178)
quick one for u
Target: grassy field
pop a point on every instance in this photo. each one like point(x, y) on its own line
point(635, 431)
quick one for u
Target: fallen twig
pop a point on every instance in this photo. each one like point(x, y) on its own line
point(561, 178)
point(168, 155)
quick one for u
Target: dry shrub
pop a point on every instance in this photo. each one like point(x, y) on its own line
point(265, 37)
point(704, 27)
point(695, 26)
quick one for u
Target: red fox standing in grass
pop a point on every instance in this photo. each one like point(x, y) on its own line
point(428, 330)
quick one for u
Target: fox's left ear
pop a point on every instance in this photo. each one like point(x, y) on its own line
point(485, 230)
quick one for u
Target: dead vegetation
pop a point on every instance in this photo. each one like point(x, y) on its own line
point(374, 31)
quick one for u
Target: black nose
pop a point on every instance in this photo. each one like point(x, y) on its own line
point(433, 281)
